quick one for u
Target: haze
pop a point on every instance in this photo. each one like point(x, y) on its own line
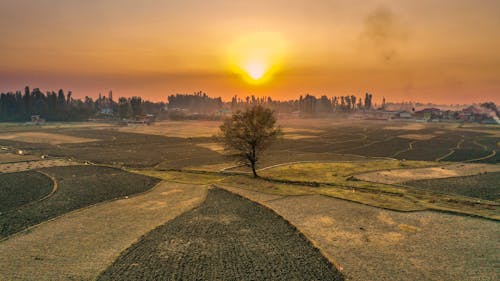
point(436, 51)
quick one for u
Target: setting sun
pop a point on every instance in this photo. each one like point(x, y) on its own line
point(256, 70)
point(257, 57)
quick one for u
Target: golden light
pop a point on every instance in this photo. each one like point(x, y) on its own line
point(257, 57)
point(256, 70)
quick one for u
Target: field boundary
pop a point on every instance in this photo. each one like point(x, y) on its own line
point(452, 150)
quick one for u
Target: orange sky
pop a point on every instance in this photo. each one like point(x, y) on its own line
point(440, 51)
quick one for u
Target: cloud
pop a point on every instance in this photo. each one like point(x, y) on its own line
point(383, 33)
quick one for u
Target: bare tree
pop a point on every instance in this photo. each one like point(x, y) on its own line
point(249, 133)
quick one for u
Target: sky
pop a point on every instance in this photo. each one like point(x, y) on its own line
point(442, 51)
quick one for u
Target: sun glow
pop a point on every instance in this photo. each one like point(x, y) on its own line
point(256, 70)
point(257, 57)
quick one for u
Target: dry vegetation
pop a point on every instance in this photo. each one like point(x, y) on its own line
point(83, 243)
point(365, 241)
point(404, 175)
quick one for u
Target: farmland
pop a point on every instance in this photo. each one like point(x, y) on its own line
point(226, 238)
point(92, 185)
point(484, 186)
point(406, 180)
point(18, 189)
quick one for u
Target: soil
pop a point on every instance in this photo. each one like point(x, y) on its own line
point(32, 165)
point(18, 189)
point(39, 137)
point(226, 238)
point(417, 136)
point(369, 243)
point(404, 175)
point(78, 187)
point(81, 244)
point(485, 186)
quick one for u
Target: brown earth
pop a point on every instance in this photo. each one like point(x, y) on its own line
point(417, 136)
point(369, 243)
point(81, 244)
point(39, 137)
point(11, 157)
point(404, 175)
point(32, 165)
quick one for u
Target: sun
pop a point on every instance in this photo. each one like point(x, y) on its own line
point(257, 57)
point(256, 69)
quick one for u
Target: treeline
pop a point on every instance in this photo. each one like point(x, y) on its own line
point(308, 104)
point(61, 106)
point(198, 102)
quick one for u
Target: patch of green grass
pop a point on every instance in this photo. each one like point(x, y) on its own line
point(17, 189)
point(336, 173)
point(78, 187)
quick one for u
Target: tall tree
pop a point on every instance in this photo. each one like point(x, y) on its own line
point(249, 133)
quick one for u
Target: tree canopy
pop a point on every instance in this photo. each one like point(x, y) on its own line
point(248, 133)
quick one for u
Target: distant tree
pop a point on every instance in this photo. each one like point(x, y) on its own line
point(136, 104)
point(123, 108)
point(249, 133)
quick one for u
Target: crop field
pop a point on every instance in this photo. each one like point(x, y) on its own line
point(18, 189)
point(78, 187)
point(365, 241)
point(406, 181)
point(484, 186)
point(226, 238)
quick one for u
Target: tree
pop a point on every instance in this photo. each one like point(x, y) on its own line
point(249, 133)
point(123, 108)
point(136, 104)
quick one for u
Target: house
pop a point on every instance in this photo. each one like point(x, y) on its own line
point(37, 120)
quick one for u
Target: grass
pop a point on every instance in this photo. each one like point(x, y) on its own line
point(18, 189)
point(336, 180)
point(485, 186)
point(198, 178)
point(336, 173)
point(78, 187)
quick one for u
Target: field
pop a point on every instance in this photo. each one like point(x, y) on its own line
point(484, 186)
point(18, 189)
point(369, 195)
point(226, 238)
point(78, 187)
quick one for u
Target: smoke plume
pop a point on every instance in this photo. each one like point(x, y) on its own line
point(383, 33)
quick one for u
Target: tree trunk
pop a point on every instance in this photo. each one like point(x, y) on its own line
point(253, 170)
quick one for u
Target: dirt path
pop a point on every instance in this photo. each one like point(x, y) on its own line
point(448, 171)
point(369, 243)
point(79, 245)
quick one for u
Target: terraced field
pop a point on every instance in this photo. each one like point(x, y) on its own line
point(78, 187)
point(226, 238)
